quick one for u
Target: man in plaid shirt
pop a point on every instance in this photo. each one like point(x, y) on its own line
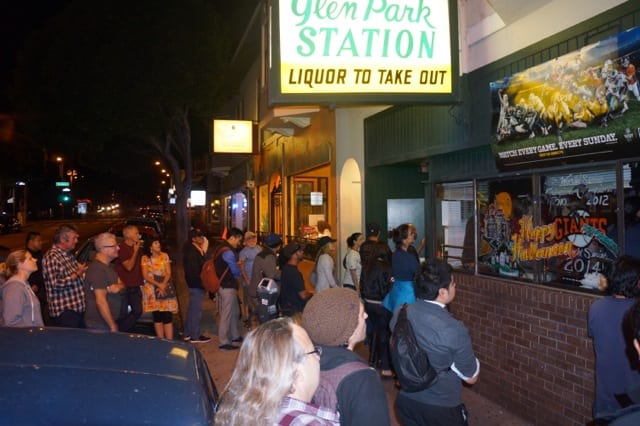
point(63, 279)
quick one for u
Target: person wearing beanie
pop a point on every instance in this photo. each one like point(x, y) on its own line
point(335, 320)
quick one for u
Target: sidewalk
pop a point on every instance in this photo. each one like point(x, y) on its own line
point(482, 412)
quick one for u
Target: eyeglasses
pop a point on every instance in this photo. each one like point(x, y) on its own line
point(316, 350)
point(112, 246)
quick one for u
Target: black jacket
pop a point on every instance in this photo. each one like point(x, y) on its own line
point(374, 280)
point(193, 261)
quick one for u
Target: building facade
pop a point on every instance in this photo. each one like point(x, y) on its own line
point(526, 204)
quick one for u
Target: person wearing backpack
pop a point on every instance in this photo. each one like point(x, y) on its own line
point(448, 345)
point(335, 319)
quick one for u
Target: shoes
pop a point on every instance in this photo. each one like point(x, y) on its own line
point(201, 339)
point(228, 347)
point(187, 338)
point(239, 340)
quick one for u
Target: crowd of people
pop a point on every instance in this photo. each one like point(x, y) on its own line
point(298, 365)
point(108, 293)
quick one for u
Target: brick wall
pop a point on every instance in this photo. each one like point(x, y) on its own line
point(536, 358)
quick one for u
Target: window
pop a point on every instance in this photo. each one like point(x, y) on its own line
point(558, 228)
point(309, 195)
point(455, 239)
point(504, 211)
point(578, 217)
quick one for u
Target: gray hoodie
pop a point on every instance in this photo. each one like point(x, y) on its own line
point(19, 306)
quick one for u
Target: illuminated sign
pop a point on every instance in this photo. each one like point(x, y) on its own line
point(234, 137)
point(198, 198)
point(365, 47)
point(62, 184)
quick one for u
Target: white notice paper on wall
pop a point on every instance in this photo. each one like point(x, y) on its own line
point(316, 198)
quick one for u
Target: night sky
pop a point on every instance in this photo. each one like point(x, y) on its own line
point(20, 19)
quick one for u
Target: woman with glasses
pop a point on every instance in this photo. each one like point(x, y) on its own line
point(276, 375)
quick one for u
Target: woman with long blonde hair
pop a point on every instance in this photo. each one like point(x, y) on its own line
point(276, 375)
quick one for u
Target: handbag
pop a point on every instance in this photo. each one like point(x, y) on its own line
point(152, 301)
point(170, 291)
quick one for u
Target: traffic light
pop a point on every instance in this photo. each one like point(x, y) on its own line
point(64, 197)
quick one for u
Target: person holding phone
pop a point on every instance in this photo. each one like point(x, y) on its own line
point(129, 268)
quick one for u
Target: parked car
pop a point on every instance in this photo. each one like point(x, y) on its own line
point(59, 376)
point(146, 221)
point(9, 224)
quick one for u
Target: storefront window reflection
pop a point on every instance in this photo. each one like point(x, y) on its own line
point(505, 209)
point(579, 217)
point(629, 242)
point(559, 229)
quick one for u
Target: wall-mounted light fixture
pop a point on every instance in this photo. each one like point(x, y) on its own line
point(424, 167)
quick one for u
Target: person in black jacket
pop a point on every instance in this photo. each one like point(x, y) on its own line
point(194, 257)
point(375, 283)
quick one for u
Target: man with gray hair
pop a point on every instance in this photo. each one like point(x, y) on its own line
point(63, 279)
point(103, 288)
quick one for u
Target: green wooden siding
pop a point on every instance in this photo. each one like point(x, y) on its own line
point(454, 139)
point(409, 132)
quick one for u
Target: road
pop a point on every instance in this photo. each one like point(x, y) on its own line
point(86, 228)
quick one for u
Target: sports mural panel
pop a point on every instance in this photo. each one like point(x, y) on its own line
point(582, 106)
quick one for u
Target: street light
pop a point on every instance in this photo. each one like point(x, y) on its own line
point(60, 162)
point(73, 174)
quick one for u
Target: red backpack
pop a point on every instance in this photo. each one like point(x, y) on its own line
point(209, 276)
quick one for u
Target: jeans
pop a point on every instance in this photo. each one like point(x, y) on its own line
point(415, 413)
point(134, 300)
point(379, 346)
point(194, 313)
point(70, 319)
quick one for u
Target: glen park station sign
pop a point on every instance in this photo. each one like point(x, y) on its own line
point(362, 50)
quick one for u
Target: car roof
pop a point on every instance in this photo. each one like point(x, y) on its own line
point(71, 376)
point(144, 230)
point(149, 221)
